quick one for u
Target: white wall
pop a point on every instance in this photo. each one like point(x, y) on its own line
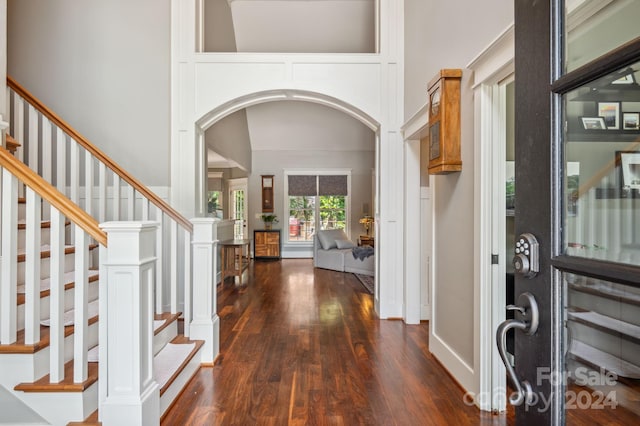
point(103, 66)
point(456, 32)
point(218, 27)
point(229, 137)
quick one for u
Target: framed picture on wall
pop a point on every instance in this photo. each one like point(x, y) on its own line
point(593, 123)
point(610, 112)
point(631, 120)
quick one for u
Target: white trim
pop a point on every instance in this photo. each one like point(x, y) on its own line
point(413, 127)
point(463, 372)
point(493, 68)
point(496, 60)
point(412, 255)
point(215, 175)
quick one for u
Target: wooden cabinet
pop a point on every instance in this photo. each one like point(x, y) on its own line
point(266, 244)
point(443, 140)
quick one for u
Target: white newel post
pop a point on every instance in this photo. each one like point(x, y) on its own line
point(132, 394)
point(206, 324)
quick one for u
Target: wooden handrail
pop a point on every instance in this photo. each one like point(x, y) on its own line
point(52, 196)
point(54, 118)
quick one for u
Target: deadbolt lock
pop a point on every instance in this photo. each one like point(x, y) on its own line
point(526, 261)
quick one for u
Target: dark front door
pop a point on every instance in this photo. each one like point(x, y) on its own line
point(577, 293)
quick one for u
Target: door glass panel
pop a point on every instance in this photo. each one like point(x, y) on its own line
point(602, 351)
point(594, 27)
point(602, 168)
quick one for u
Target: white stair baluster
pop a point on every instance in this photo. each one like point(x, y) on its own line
point(116, 197)
point(46, 150)
point(81, 301)
point(74, 177)
point(46, 157)
point(145, 208)
point(173, 265)
point(131, 203)
point(88, 182)
point(32, 269)
point(102, 193)
point(61, 161)
point(56, 298)
point(8, 284)
point(74, 167)
point(159, 288)
point(18, 125)
point(33, 139)
point(187, 282)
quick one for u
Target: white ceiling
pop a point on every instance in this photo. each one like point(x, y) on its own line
point(309, 26)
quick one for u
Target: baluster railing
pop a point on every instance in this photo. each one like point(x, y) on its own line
point(62, 210)
point(129, 199)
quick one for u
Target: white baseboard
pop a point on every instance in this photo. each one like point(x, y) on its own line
point(456, 366)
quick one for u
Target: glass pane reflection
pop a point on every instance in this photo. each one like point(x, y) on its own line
point(594, 27)
point(602, 351)
point(602, 168)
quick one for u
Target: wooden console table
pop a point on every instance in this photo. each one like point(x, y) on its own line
point(234, 256)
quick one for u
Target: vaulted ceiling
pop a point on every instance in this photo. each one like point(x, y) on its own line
point(288, 26)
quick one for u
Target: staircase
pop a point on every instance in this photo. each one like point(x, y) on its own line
point(96, 320)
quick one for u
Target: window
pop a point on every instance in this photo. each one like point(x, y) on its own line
point(214, 203)
point(316, 202)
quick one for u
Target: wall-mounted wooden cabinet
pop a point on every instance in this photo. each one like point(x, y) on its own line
point(266, 244)
point(443, 139)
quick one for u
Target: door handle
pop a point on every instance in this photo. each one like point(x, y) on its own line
point(528, 324)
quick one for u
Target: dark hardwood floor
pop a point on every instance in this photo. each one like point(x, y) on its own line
point(304, 346)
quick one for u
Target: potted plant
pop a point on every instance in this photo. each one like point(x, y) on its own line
point(269, 220)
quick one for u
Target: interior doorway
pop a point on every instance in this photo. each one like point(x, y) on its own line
point(238, 207)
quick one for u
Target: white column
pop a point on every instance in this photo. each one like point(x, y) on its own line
point(206, 324)
point(132, 394)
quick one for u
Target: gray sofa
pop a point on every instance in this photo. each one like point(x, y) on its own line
point(332, 249)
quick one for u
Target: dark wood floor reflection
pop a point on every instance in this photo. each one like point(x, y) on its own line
point(304, 346)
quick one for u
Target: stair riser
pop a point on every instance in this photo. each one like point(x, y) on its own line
point(45, 265)
point(77, 405)
point(68, 303)
point(167, 398)
point(45, 234)
point(18, 368)
point(165, 336)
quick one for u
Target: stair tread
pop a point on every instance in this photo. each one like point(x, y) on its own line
point(160, 322)
point(20, 347)
point(607, 323)
point(168, 364)
point(66, 385)
point(600, 359)
point(45, 284)
point(92, 420)
point(177, 352)
point(45, 251)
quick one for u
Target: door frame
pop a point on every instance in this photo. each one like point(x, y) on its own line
point(493, 68)
point(235, 185)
